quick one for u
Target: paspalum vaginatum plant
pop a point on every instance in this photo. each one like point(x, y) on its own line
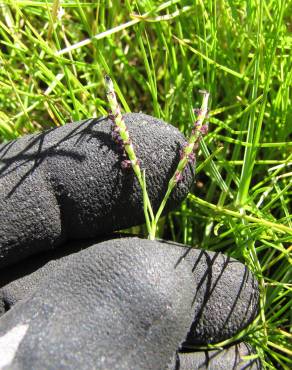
point(121, 136)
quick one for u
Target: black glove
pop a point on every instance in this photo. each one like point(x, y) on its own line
point(124, 303)
point(69, 183)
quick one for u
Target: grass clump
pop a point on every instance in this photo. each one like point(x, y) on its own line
point(54, 55)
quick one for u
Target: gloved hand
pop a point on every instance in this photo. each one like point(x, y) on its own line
point(121, 303)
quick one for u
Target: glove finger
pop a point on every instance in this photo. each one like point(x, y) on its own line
point(127, 304)
point(230, 358)
point(20, 280)
point(68, 183)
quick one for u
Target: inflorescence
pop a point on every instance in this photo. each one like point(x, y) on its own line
point(188, 153)
point(121, 137)
point(120, 132)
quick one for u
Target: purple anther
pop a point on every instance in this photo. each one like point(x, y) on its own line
point(112, 116)
point(126, 164)
point(198, 111)
point(192, 158)
point(117, 139)
point(116, 129)
point(115, 135)
point(178, 177)
point(204, 129)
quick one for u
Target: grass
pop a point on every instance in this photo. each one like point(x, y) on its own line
point(53, 57)
point(187, 154)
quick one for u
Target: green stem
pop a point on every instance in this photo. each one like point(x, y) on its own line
point(123, 132)
point(226, 211)
point(188, 150)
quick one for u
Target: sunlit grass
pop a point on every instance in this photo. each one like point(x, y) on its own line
point(54, 55)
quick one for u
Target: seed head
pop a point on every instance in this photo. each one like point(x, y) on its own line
point(126, 164)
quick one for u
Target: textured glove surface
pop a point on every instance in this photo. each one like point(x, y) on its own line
point(231, 358)
point(68, 183)
point(119, 304)
point(127, 304)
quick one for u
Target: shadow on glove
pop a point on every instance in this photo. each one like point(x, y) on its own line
point(126, 304)
point(231, 358)
point(68, 183)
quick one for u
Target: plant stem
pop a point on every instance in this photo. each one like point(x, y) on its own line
point(187, 154)
point(195, 137)
point(229, 212)
point(118, 119)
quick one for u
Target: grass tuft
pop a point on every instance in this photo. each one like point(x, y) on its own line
point(53, 57)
